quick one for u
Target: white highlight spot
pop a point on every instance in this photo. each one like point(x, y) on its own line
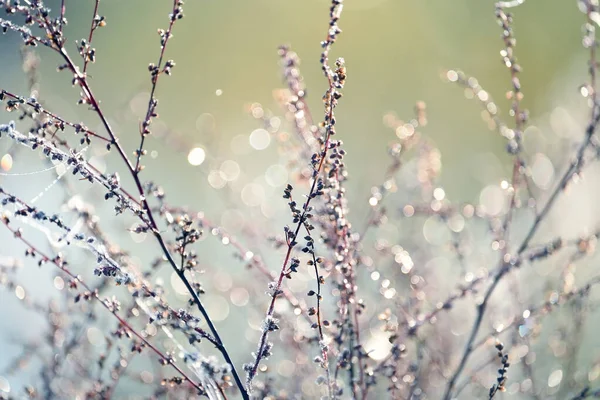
point(196, 156)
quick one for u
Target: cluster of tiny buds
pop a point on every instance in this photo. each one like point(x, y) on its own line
point(187, 235)
point(270, 324)
point(156, 70)
point(295, 83)
point(340, 76)
point(287, 192)
point(273, 290)
point(99, 22)
point(516, 95)
point(172, 382)
point(146, 124)
point(293, 268)
point(505, 20)
point(501, 380)
point(86, 295)
point(167, 359)
point(177, 11)
point(331, 97)
point(335, 12)
point(290, 235)
point(28, 38)
point(87, 52)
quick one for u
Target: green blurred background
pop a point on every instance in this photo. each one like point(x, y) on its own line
point(395, 51)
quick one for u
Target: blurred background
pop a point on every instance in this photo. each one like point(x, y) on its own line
point(210, 153)
point(226, 56)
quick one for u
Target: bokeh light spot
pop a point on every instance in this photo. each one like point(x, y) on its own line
point(260, 139)
point(196, 156)
point(6, 162)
